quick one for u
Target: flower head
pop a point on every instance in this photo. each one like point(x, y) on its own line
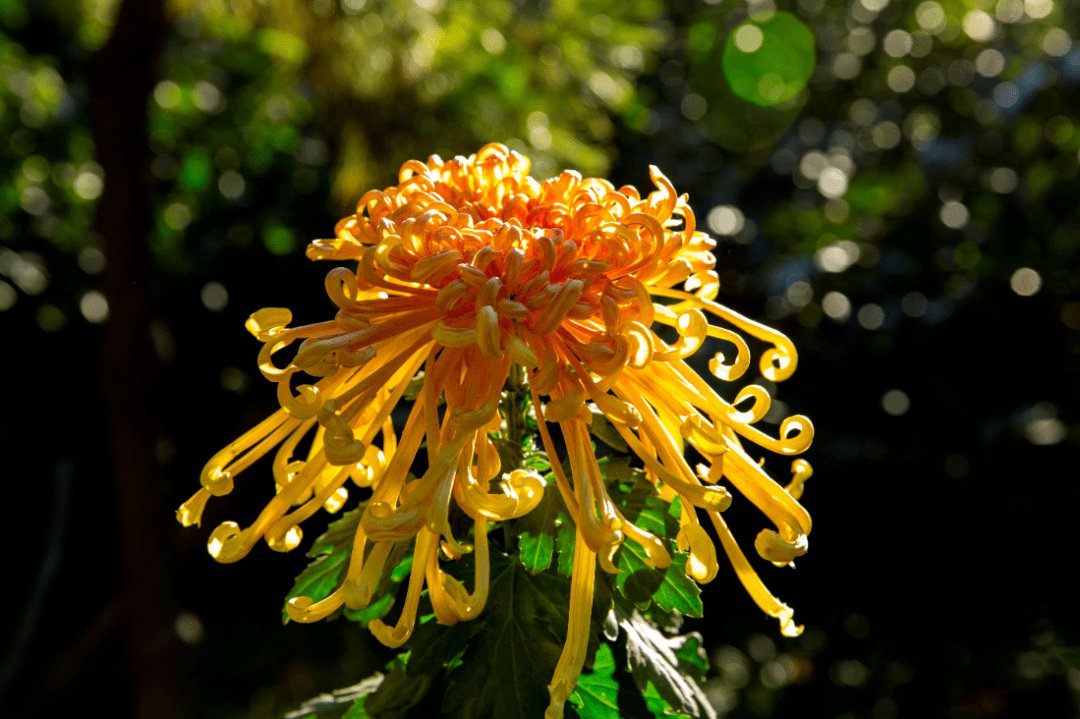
point(466, 270)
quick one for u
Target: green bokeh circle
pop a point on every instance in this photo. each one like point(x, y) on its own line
point(778, 69)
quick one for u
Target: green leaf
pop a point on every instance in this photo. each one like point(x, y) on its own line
point(435, 646)
point(538, 530)
point(596, 695)
point(401, 696)
point(507, 666)
point(692, 654)
point(357, 711)
point(347, 703)
point(674, 666)
point(332, 549)
point(658, 705)
point(564, 545)
point(670, 588)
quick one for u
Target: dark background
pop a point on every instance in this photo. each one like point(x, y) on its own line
point(944, 553)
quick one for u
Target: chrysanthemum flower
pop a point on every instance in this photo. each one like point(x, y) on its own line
point(464, 270)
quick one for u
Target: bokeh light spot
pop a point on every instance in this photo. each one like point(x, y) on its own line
point(8, 296)
point(214, 296)
point(979, 26)
point(871, 316)
point(725, 220)
point(914, 304)
point(189, 628)
point(1025, 282)
point(94, 307)
point(832, 182)
point(836, 305)
point(955, 214)
point(769, 58)
point(895, 402)
point(897, 43)
point(990, 63)
point(901, 78)
point(1056, 42)
point(749, 38)
point(279, 240)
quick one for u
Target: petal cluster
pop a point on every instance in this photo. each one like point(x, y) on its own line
point(469, 270)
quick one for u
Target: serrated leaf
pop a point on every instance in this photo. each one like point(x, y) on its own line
point(347, 703)
point(401, 696)
point(509, 662)
point(332, 549)
point(537, 531)
point(564, 545)
point(673, 665)
point(538, 462)
point(435, 646)
point(692, 654)
point(357, 711)
point(670, 588)
point(596, 695)
point(658, 705)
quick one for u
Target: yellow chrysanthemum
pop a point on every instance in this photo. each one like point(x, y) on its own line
point(465, 269)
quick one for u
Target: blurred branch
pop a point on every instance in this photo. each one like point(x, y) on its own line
point(122, 75)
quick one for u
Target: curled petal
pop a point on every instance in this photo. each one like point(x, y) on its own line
point(487, 333)
point(779, 363)
point(656, 555)
point(334, 280)
point(703, 436)
point(302, 609)
point(692, 328)
point(394, 637)
point(268, 323)
point(453, 336)
point(566, 407)
point(701, 564)
point(735, 370)
point(304, 407)
point(436, 266)
point(642, 344)
point(801, 471)
point(228, 542)
point(190, 512)
point(777, 550)
point(450, 295)
point(606, 555)
point(521, 352)
point(757, 410)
